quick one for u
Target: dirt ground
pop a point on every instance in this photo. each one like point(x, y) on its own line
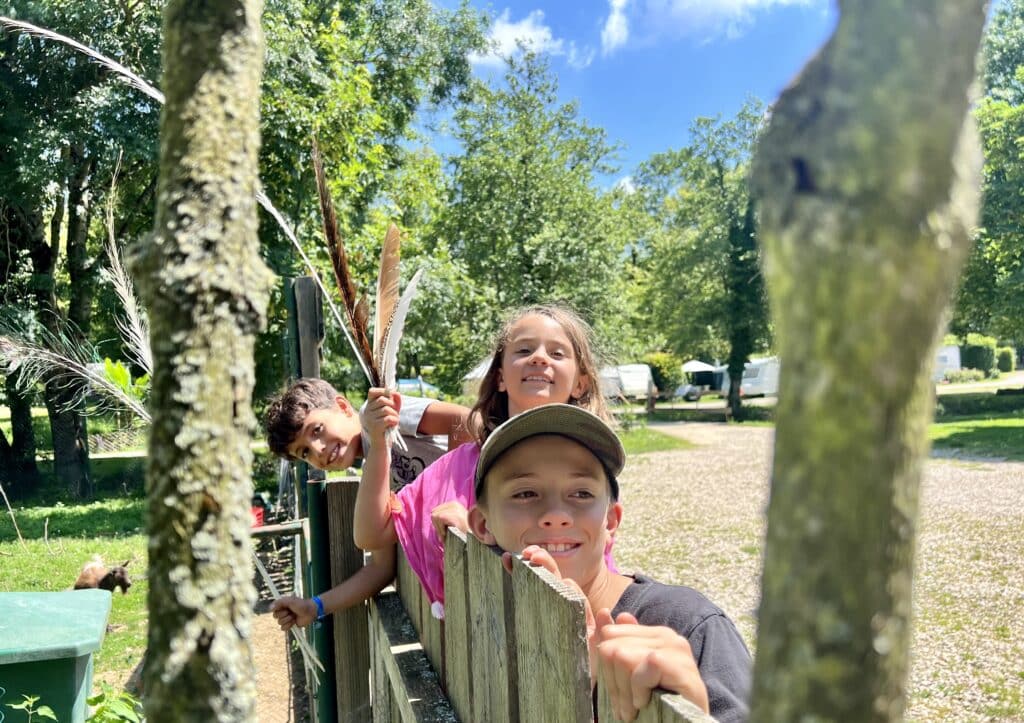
point(275, 701)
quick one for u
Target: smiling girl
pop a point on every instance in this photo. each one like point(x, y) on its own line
point(542, 355)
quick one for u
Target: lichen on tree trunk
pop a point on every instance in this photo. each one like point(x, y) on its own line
point(868, 180)
point(206, 290)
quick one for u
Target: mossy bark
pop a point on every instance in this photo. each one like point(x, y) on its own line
point(206, 290)
point(868, 180)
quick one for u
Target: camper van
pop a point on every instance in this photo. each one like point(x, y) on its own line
point(761, 378)
point(632, 381)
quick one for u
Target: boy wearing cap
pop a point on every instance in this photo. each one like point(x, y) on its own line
point(546, 488)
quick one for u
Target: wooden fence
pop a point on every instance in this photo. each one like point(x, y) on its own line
point(511, 647)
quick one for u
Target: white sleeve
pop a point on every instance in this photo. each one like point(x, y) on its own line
point(411, 414)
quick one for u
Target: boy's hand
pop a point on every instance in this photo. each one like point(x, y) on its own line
point(380, 413)
point(290, 610)
point(635, 659)
point(449, 514)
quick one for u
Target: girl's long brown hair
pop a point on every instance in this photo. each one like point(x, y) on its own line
point(491, 408)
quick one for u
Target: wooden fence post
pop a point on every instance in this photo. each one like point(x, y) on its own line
point(868, 175)
point(306, 299)
point(351, 641)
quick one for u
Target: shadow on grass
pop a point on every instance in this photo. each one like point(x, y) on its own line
point(112, 517)
point(1005, 442)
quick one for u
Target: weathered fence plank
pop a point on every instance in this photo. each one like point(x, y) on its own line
point(551, 640)
point(495, 698)
point(458, 652)
point(351, 637)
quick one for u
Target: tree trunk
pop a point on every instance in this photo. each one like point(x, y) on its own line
point(206, 290)
point(868, 176)
point(19, 468)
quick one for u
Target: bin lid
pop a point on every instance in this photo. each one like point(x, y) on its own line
point(51, 625)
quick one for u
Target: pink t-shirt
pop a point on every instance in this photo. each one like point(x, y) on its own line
point(449, 479)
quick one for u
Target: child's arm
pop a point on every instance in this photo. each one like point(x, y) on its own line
point(364, 584)
point(449, 419)
point(373, 527)
point(635, 659)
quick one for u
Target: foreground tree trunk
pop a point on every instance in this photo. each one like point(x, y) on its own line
point(868, 176)
point(206, 290)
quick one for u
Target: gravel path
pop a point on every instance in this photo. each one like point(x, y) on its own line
point(703, 526)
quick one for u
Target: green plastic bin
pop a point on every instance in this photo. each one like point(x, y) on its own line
point(46, 644)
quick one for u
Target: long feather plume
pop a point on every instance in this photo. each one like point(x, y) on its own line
point(142, 86)
point(387, 288)
point(133, 326)
point(68, 362)
point(393, 333)
point(339, 260)
point(119, 70)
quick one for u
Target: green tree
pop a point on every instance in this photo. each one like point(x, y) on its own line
point(990, 298)
point(703, 284)
point(524, 216)
point(61, 132)
point(206, 290)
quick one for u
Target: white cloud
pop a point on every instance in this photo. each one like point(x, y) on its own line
point(616, 28)
point(506, 36)
point(709, 19)
point(626, 185)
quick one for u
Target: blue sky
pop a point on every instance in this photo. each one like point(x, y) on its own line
point(644, 69)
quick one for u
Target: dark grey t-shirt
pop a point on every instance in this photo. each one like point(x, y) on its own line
point(721, 655)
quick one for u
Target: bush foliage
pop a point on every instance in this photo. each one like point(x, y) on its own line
point(1006, 359)
point(962, 376)
point(978, 353)
point(667, 370)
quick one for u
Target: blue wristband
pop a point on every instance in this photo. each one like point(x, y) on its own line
point(319, 607)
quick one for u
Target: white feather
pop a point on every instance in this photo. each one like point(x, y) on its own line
point(389, 356)
point(394, 333)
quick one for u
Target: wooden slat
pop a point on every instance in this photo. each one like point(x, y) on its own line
point(458, 652)
point(495, 699)
point(663, 708)
point(432, 636)
point(409, 590)
point(379, 681)
point(551, 634)
point(351, 638)
point(404, 663)
point(278, 530)
point(676, 709)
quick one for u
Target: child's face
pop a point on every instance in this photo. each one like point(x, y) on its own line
point(329, 438)
point(552, 492)
point(538, 365)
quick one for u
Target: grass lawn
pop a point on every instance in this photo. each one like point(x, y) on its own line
point(643, 439)
point(111, 528)
point(981, 436)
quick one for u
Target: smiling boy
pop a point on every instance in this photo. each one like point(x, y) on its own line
point(546, 487)
point(311, 422)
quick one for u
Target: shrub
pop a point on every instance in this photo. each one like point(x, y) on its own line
point(667, 371)
point(1006, 360)
point(979, 352)
point(962, 376)
point(963, 405)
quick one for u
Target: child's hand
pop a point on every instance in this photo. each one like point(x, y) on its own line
point(635, 659)
point(290, 610)
point(380, 413)
point(450, 514)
